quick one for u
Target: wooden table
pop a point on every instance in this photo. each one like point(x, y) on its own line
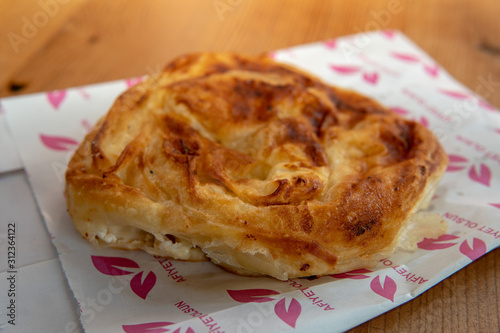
point(52, 44)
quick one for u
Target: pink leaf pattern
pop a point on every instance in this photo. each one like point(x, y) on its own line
point(404, 112)
point(462, 96)
point(456, 163)
point(387, 291)
point(189, 330)
point(478, 249)
point(497, 130)
point(86, 124)
point(453, 168)
point(371, 78)
point(291, 315)
point(454, 94)
point(252, 295)
point(400, 110)
point(357, 274)
point(84, 93)
point(109, 265)
point(59, 143)
point(389, 34)
point(133, 81)
point(272, 54)
point(496, 205)
point(140, 288)
point(437, 244)
point(432, 70)
point(484, 175)
point(56, 98)
point(424, 121)
point(330, 44)
point(157, 327)
point(457, 158)
point(405, 57)
point(486, 106)
point(346, 69)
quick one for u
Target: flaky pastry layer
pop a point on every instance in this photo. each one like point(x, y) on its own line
point(256, 165)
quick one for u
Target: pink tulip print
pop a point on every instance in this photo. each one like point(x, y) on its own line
point(478, 248)
point(440, 243)
point(56, 98)
point(387, 290)
point(115, 266)
point(59, 143)
point(290, 315)
point(357, 274)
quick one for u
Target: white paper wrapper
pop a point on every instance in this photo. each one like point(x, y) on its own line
point(134, 292)
point(35, 277)
point(10, 160)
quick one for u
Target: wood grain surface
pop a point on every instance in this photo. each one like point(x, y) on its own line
point(53, 44)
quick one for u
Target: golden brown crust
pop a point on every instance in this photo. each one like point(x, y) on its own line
point(264, 168)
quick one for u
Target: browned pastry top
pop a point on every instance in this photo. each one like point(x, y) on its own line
point(262, 167)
